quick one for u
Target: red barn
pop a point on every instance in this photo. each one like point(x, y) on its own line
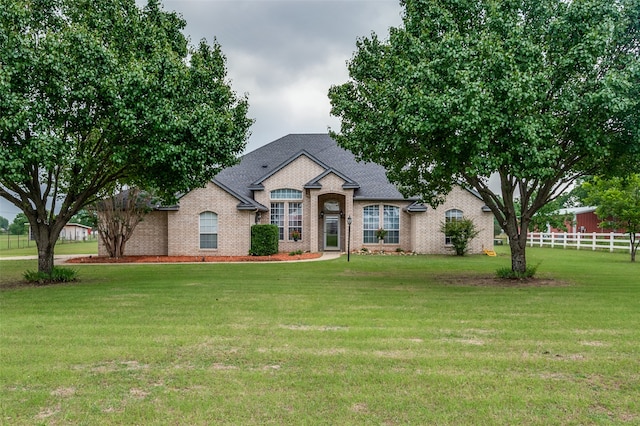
point(584, 220)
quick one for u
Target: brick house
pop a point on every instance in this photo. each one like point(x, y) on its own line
point(308, 186)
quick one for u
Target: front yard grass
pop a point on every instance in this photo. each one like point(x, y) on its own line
point(379, 340)
point(62, 248)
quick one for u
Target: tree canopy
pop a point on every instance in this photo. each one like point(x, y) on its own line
point(19, 225)
point(100, 93)
point(537, 92)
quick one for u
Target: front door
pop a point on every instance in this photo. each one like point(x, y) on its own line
point(332, 232)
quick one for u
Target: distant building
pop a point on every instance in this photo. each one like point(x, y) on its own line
point(584, 220)
point(75, 232)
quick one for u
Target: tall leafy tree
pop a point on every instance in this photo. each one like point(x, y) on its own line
point(538, 92)
point(99, 93)
point(618, 205)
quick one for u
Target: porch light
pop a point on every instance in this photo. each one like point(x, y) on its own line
point(321, 214)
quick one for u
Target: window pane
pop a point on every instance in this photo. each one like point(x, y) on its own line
point(208, 223)
point(208, 230)
point(370, 237)
point(392, 224)
point(286, 194)
point(452, 215)
point(371, 223)
point(277, 218)
point(295, 219)
point(208, 241)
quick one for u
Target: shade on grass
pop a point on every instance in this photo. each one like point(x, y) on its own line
point(378, 340)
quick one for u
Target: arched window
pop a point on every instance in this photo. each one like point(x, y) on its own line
point(287, 215)
point(286, 194)
point(452, 215)
point(208, 230)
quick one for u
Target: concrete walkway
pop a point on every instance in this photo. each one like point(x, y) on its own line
point(56, 258)
point(62, 259)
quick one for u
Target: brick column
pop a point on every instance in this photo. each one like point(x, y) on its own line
point(313, 222)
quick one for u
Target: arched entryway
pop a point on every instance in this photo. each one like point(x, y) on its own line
point(331, 222)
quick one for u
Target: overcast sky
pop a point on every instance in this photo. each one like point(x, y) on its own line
point(284, 54)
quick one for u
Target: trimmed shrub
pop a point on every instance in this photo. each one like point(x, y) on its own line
point(460, 232)
point(508, 273)
point(264, 240)
point(58, 275)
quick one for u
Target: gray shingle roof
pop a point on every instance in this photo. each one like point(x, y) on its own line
point(369, 179)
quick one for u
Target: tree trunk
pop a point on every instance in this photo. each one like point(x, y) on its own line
point(46, 236)
point(518, 258)
point(517, 245)
point(45, 254)
point(634, 245)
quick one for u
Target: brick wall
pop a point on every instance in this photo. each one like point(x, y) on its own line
point(429, 238)
point(148, 239)
point(234, 226)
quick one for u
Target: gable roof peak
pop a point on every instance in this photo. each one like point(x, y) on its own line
point(257, 165)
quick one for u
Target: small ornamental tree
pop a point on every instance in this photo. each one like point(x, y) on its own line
point(118, 217)
point(99, 94)
point(617, 202)
point(460, 233)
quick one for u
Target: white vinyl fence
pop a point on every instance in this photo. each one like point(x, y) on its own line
point(586, 241)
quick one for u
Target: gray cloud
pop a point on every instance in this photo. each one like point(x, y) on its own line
point(285, 54)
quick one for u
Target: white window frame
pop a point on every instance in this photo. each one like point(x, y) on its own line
point(381, 216)
point(208, 226)
point(285, 211)
point(452, 215)
point(295, 219)
point(391, 223)
point(370, 223)
point(277, 217)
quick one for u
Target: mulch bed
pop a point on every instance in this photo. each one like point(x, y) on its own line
point(490, 281)
point(280, 257)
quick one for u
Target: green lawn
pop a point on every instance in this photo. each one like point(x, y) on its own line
point(380, 340)
point(28, 248)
